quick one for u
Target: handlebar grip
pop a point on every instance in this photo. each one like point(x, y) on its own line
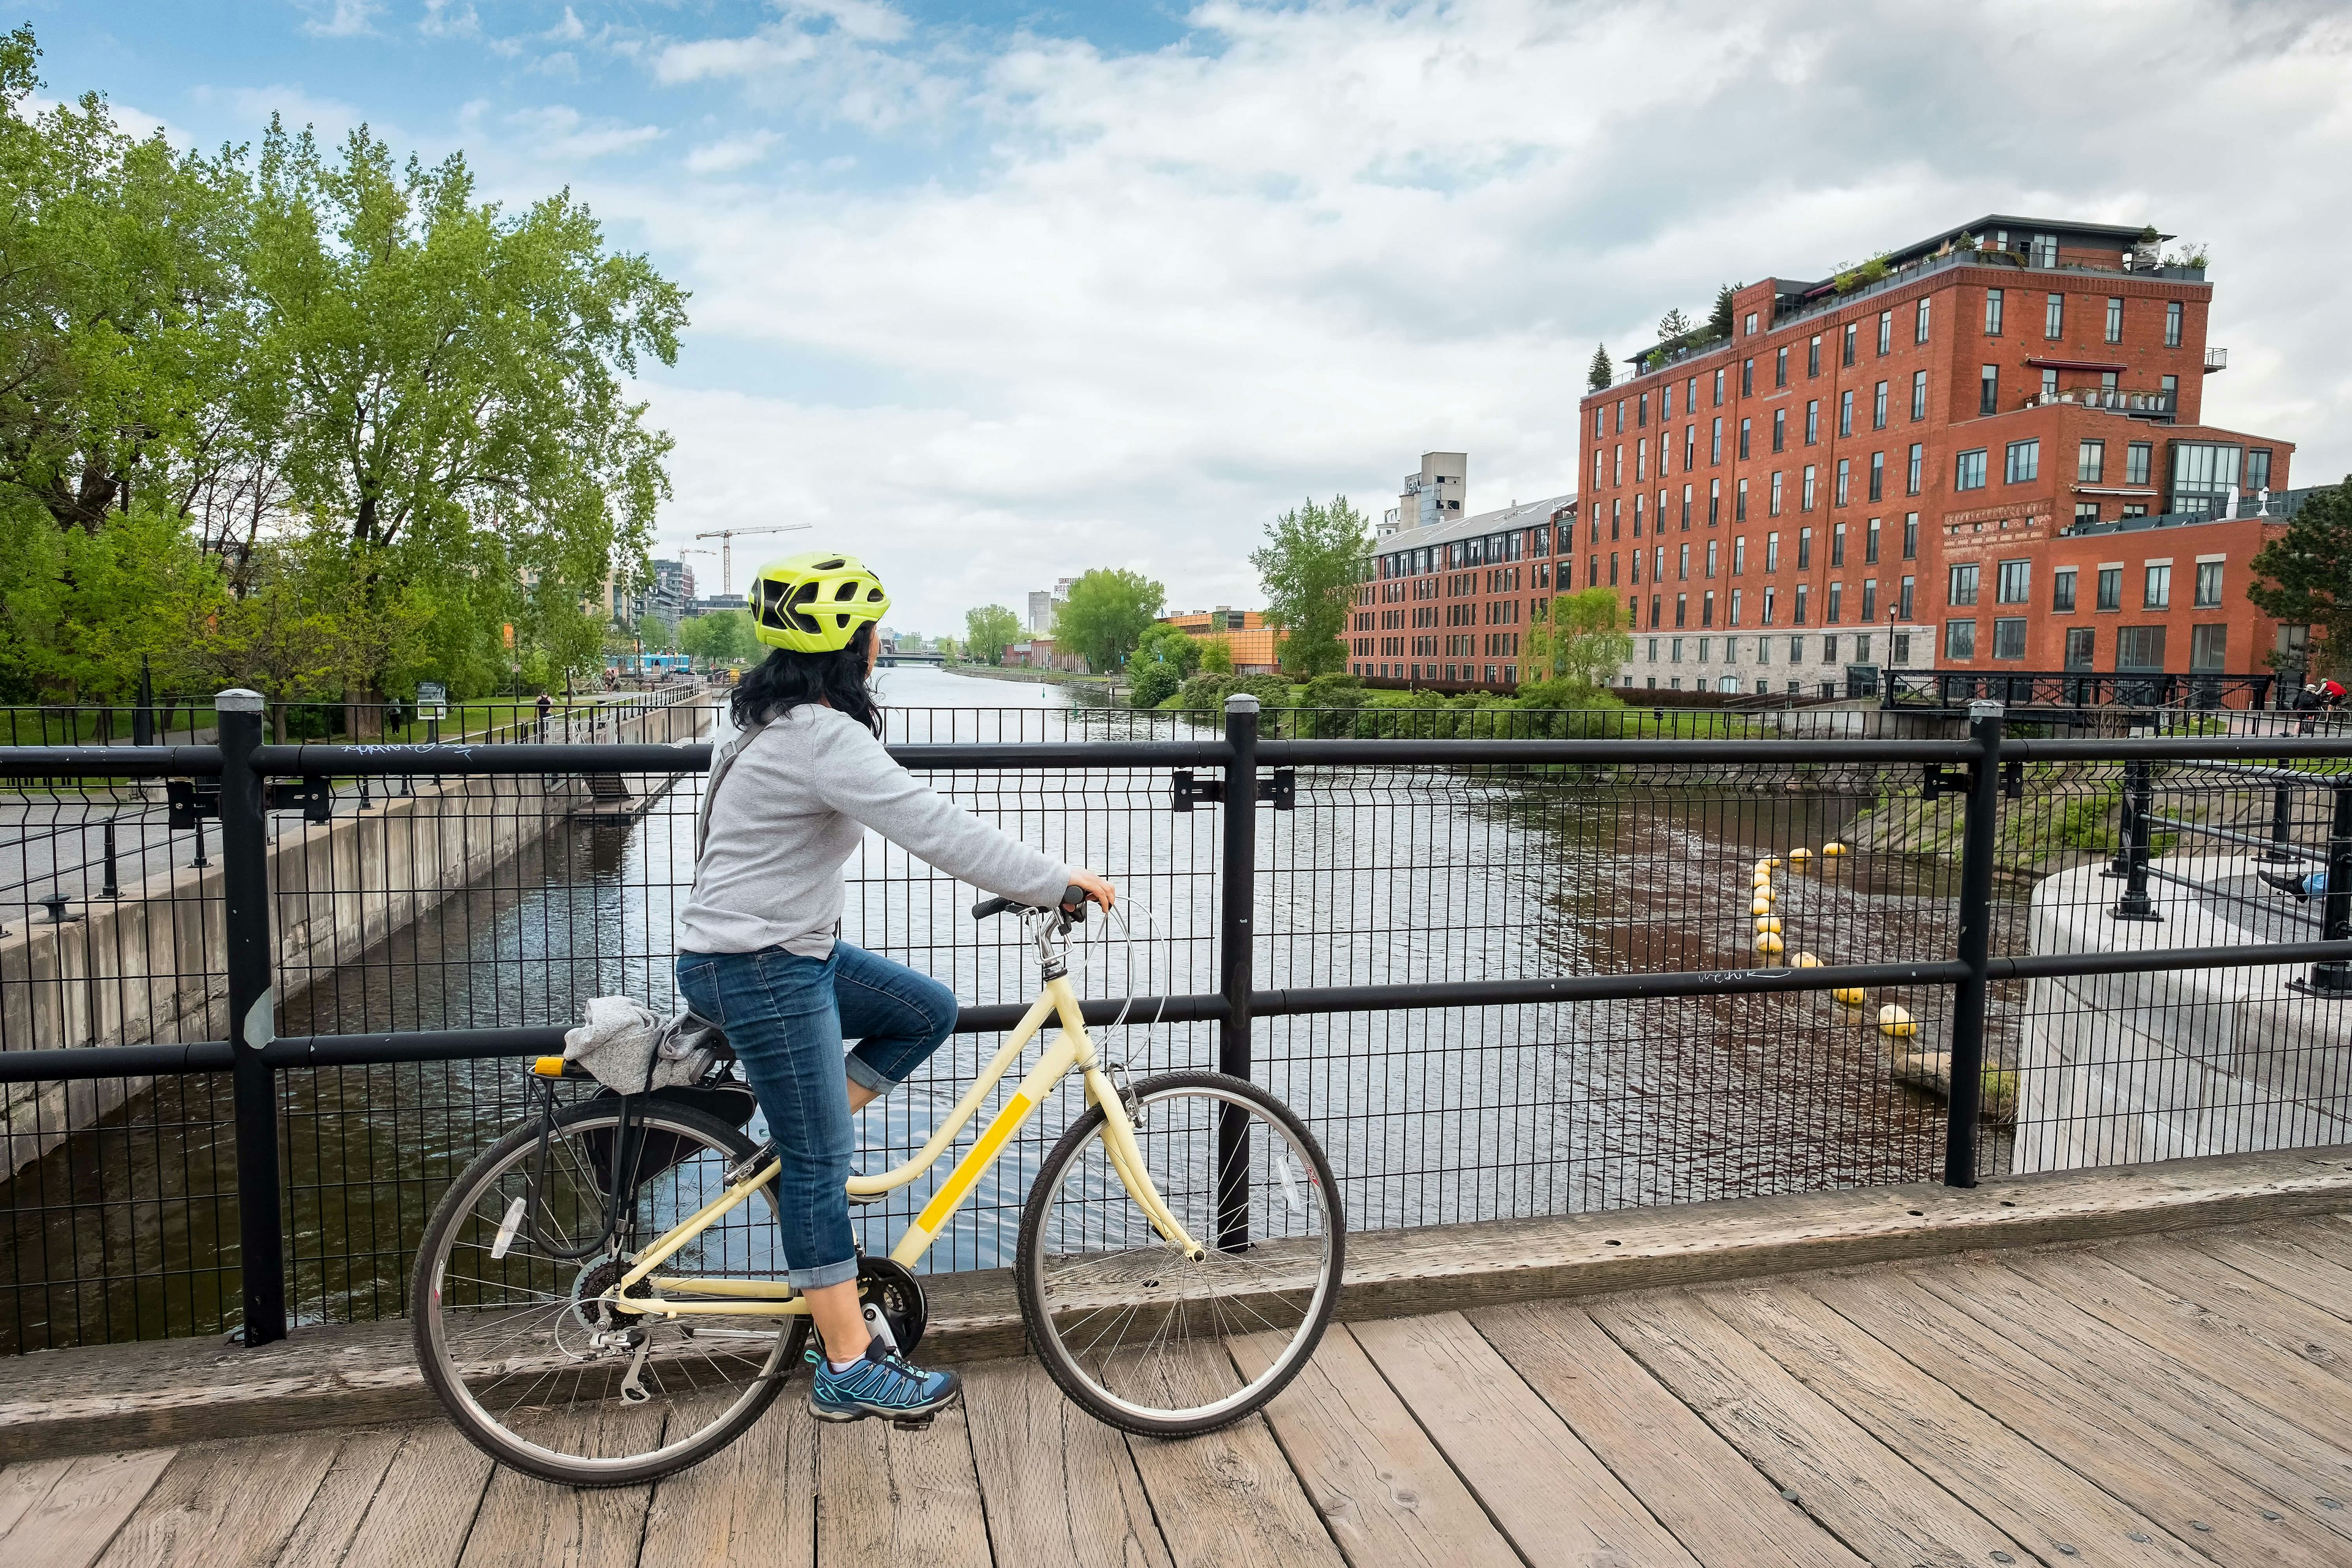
point(1074, 902)
point(987, 906)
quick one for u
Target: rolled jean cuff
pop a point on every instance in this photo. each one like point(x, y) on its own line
point(823, 1275)
point(861, 1071)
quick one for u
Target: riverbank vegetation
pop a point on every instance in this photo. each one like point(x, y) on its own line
point(320, 422)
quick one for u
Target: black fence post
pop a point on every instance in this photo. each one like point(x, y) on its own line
point(2139, 804)
point(2334, 977)
point(245, 920)
point(2281, 823)
point(1236, 936)
point(112, 888)
point(142, 717)
point(1968, 1001)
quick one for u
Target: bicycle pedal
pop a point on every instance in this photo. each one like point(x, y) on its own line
point(922, 1424)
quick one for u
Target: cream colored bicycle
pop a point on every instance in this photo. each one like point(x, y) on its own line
point(598, 1300)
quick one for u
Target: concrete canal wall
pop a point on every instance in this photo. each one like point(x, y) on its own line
point(147, 967)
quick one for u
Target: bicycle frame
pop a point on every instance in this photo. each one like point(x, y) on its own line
point(1072, 1050)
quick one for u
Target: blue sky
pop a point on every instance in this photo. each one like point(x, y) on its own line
point(993, 293)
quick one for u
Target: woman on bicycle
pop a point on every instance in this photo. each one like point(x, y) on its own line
point(788, 800)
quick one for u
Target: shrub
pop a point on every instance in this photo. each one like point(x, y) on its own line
point(1149, 685)
point(1203, 696)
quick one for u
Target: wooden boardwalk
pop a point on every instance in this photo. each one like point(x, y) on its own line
point(2185, 1398)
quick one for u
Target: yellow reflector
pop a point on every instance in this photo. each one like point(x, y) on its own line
point(548, 1066)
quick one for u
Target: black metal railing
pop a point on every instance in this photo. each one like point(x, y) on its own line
point(1503, 975)
point(2082, 690)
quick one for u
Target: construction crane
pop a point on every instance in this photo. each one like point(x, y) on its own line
point(727, 537)
point(695, 549)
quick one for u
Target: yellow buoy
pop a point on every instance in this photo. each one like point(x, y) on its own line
point(1849, 996)
point(1767, 943)
point(1762, 905)
point(1765, 922)
point(1767, 894)
point(1895, 1020)
point(1833, 849)
point(1804, 961)
point(1762, 879)
point(1768, 863)
point(1801, 856)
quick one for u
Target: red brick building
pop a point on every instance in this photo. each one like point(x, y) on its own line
point(1449, 605)
point(1906, 469)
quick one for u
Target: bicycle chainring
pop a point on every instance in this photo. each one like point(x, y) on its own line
point(885, 1283)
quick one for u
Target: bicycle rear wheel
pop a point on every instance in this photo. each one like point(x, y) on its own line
point(509, 1325)
point(1135, 1333)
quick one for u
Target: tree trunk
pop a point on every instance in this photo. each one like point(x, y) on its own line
point(364, 713)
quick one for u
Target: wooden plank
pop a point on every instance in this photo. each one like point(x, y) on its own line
point(884, 1496)
point(24, 1483)
point(224, 1504)
point(1061, 1488)
point(2278, 1262)
point(2028, 1494)
point(1385, 1493)
point(2214, 1346)
point(1718, 1506)
point(2102, 1426)
point(524, 1520)
point(1869, 1497)
point(1548, 1492)
point(82, 1509)
point(2329, 1236)
point(424, 1506)
point(1228, 1499)
point(2160, 1387)
point(2265, 1311)
point(753, 1502)
point(323, 1535)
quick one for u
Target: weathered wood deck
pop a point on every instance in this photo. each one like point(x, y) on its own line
point(2182, 1398)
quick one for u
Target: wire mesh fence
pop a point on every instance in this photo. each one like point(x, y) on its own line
point(413, 901)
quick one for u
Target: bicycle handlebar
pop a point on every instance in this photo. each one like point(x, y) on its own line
point(1074, 902)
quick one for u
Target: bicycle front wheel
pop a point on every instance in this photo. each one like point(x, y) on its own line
point(1141, 1336)
point(513, 1319)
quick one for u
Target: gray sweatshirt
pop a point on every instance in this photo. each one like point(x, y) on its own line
point(792, 806)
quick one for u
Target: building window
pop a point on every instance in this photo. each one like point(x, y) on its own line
point(1903, 608)
point(1714, 444)
point(1751, 324)
point(2086, 514)
point(2155, 592)
point(1837, 546)
point(1734, 608)
point(1739, 503)
point(1870, 543)
point(2043, 250)
point(2135, 463)
point(1748, 375)
point(1686, 500)
point(1869, 601)
point(1992, 313)
point(2049, 387)
point(1912, 477)
point(2208, 648)
point(2168, 388)
point(2024, 462)
point(2013, 585)
point(2139, 648)
point(2090, 462)
point(1641, 412)
point(1877, 476)
point(2258, 469)
point(1910, 536)
point(1844, 491)
point(1681, 565)
point(2061, 589)
point(1813, 356)
point(1878, 408)
point(2054, 317)
point(1845, 414)
point(1743, 439)
point(2009, 637)
point(1961, 585)
point(1918, 394)
point(1681, 606)
point(1960, 639)
point(1804, 548)
point(1808, 505)
point(1705, 613)
point(2204, 473)
point(1772, 551)
point(2209, 584)
point(1847, 352)
point(1919, 325)
point(1740, 555)
point(1779, 429)
point(1769, 596)
point(1812, 421)
point(1718, 389)
point(2080, 640)
point(1775, 511)
point(2115, 320)
point(1714, 502)
point(2172, 325)
point(2111, 588)
point(1710, 558)
point(1886, 331)
point(1781, 367)
point(1989, 390)
point(1837, 597)
point(1968, 471)
point(1795, 647)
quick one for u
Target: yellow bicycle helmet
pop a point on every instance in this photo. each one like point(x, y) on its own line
point(814, 602)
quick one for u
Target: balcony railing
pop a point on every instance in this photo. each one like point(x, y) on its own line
point(2145, 405)
point(2216, 359)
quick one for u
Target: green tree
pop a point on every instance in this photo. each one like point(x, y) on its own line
point(1164, 644)
point(1311, 566)
point(1216, 656)
point(1719, 320)
point(1600, 372)
point(989, 629)
point(1106, 614)
point(2303, 577)
point(721, 636)
point(1673, 326)
point(1584, 640)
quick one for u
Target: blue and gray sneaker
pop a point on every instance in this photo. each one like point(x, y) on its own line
point(881, 1382)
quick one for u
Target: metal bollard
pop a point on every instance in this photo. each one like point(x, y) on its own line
point(109, 889)
point(2138, 802)
point(2282, 825)
point(1236, 937)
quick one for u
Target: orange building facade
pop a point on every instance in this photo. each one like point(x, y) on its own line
point(1246, 636)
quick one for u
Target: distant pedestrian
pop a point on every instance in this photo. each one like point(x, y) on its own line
point(544, 703)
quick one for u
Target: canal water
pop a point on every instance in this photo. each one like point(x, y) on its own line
point(1368, 876)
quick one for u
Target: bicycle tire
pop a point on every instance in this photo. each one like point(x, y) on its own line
point(1055, 1354)
point(484, 1430)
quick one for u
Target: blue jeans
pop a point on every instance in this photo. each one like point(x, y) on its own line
point(787, 1017)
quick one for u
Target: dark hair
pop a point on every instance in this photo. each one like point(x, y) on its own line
point(789, 679)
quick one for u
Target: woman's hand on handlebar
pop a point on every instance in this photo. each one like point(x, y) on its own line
point(1098, 888)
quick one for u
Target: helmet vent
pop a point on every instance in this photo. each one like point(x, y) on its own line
point(836, 565)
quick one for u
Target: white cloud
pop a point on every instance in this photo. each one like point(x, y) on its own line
point(558, 132)
point(1150, 299)
point(451, 19)
point(342, 19)
point(249, 108)
point(730, 154)
point(569, 29)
